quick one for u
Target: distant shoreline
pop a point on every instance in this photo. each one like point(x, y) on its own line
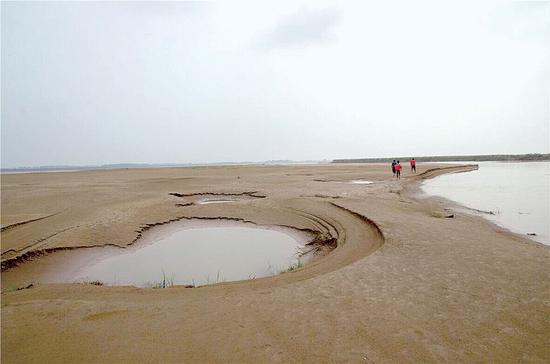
point(70, 168)
point(531, 157)
point(450, 158)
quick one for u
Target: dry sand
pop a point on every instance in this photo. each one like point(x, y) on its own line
point(402, 285)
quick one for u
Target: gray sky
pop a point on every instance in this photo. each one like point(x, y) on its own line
point(93, 83)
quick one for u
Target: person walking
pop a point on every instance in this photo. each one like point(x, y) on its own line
point(413, 166)
point(398, 170)
point(393, 163)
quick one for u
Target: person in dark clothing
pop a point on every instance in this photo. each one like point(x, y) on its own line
point(393, 163)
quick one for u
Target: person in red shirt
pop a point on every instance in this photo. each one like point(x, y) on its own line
point(398, 170)
point(413, 166)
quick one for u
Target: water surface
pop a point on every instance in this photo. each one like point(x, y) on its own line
point(361, 182)
point(517, 194)
point(178, 254)
point(207, 202)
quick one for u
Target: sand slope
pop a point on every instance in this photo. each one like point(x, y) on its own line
point(402, 285)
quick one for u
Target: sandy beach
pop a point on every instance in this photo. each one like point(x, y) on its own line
point(394, 280)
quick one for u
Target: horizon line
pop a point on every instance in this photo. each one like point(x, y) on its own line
point(272, 161)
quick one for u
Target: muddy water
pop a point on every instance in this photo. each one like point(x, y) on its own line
point(515, 195)
point(198, 255)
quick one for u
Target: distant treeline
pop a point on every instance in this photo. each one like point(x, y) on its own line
point(453, 158)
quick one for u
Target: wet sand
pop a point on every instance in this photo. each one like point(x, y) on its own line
point(395, 281)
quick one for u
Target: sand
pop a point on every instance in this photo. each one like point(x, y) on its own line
point(404, 284)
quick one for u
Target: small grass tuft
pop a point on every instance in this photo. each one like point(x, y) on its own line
point(295, 266)
point(165, 283)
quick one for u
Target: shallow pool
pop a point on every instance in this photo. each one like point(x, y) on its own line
point(177, 254)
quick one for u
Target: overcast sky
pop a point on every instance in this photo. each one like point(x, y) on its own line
point(94, 83)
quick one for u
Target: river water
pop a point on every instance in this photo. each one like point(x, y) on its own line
point(516, 193)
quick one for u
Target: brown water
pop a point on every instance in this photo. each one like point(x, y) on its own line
point(198, 255)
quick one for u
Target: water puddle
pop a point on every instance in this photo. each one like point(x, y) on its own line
point(361, 182)
point(355, 181)
point(206, 202)
point(201, 198)
point(180, 254)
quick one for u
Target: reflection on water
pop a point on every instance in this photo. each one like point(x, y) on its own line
point(518, 193)
point(197, 256)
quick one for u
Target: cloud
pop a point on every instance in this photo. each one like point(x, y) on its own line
point(301, 29)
